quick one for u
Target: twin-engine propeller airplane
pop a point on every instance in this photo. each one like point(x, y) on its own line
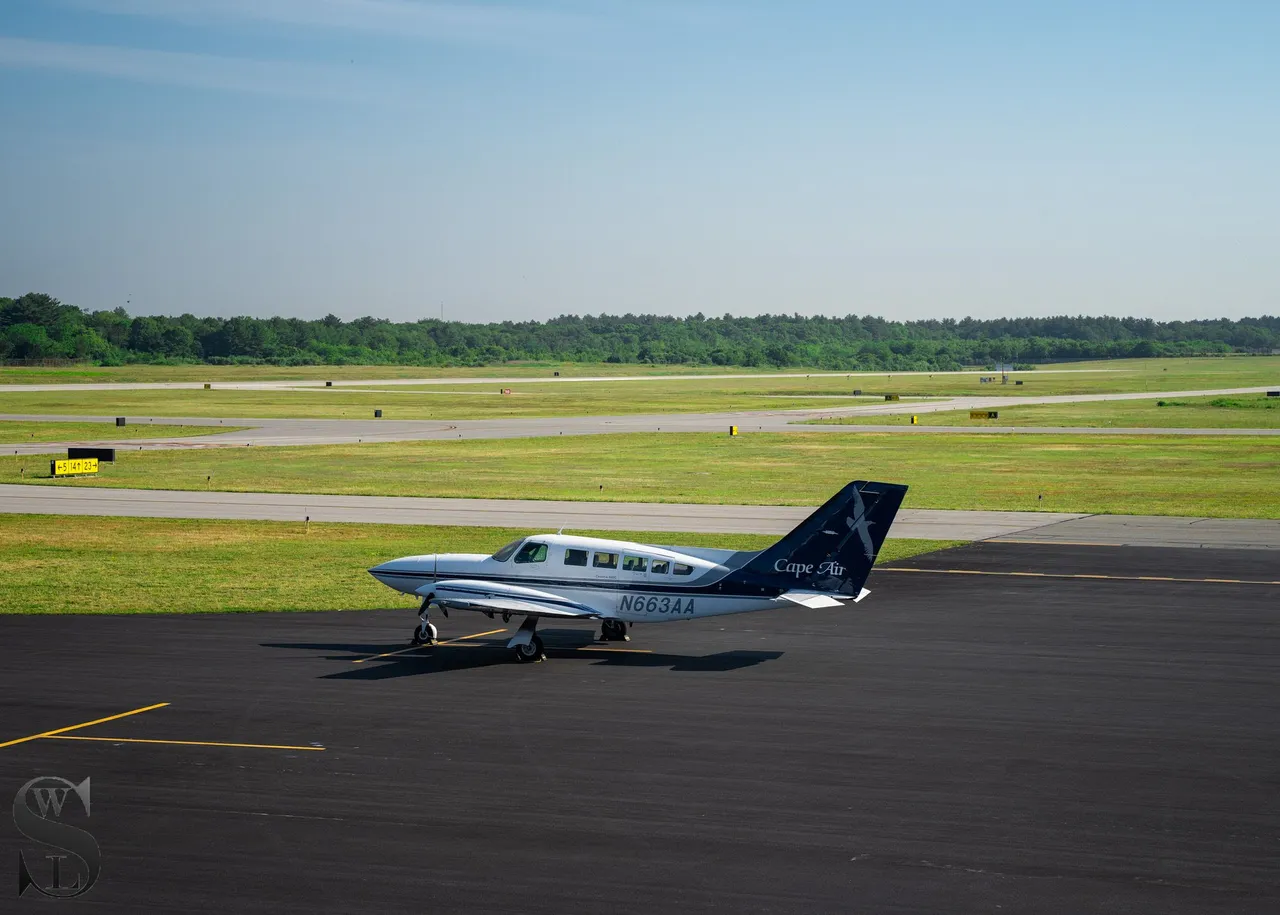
point(822, 563)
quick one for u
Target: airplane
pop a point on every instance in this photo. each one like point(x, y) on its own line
point(824, 562)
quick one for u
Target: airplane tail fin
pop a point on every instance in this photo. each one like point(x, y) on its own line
point(832, 551)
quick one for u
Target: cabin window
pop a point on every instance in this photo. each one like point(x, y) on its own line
point(682, 569)
point(532, 552)
point(633, 563)
point(660, 567)
point(605, 561)
point(575, 557)
point(507, 551)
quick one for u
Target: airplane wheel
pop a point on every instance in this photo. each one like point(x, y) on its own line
point(613, 631)
point(529, 652)
point(425, 634)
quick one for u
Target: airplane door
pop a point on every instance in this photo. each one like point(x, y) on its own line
point(604, 565)
point(603, 570)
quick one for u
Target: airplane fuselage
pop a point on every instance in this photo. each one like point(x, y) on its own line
point(621, 580)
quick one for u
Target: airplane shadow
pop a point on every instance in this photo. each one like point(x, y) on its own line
point(351, 651)
point(563, 644)
point(446, 658)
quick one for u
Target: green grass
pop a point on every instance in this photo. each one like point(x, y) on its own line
point(1215, 476)
point(685, 393)
point(1240, 411)
point(447, 402)
point(19, 432)
point(143, 565)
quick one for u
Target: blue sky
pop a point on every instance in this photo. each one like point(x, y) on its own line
point(524, 160)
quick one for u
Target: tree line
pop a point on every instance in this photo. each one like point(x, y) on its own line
point(38, 326)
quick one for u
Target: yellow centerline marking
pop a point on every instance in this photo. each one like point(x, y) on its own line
point(388, 654)
point(76, 727)
point(1195, 581)
point(181, 743)
point(595, 648)
point(1051, 542)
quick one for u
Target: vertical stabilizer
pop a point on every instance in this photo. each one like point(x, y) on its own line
point(833, 550)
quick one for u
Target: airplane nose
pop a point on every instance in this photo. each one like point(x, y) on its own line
point(398, 574)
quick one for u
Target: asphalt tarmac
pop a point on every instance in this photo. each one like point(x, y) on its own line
point(957, 743)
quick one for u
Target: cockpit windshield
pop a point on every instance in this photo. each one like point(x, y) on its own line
point(507, 551)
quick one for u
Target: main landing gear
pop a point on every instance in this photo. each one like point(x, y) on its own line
point(424, 633)
point(614, 631)
point(527, 645)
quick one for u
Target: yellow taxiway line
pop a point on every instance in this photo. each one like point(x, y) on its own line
point(1049, 542)
point(388, 654)
point(182, 743)
point(602, 648)
point(76, 727)
point(1082, 575)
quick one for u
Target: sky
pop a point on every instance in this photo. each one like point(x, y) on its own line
point(514, 161)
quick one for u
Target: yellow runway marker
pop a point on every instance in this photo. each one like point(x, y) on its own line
point(1082, 575)
point(182, 743)
point(388, 654)
point(76, 727)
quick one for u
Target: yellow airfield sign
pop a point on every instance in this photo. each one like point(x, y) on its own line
point(75, 467)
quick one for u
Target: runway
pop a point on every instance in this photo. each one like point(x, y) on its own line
point(957, 743)
point(280, 432)
point(549, 378)
point(929, 524)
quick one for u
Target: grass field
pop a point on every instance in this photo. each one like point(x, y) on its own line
point(137, 565)
point(1163, 475)
point(686, 393)
point(1238, 411)
point(17, 432)
point(690, 395)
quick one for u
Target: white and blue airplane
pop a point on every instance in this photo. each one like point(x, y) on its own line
point(822, 563)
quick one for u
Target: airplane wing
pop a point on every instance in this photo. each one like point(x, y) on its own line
point(492, 597)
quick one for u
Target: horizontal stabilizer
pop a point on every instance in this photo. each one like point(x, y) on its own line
point(812, 599)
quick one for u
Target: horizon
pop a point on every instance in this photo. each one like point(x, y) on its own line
point(534, 160)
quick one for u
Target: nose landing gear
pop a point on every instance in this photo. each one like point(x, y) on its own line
point(424, 633)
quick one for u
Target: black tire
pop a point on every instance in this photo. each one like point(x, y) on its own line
point(428, 639)
point(528, 652)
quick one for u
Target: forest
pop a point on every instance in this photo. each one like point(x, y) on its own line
point(37, 326)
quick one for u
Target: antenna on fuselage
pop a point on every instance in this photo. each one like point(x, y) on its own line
point(561, 531)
